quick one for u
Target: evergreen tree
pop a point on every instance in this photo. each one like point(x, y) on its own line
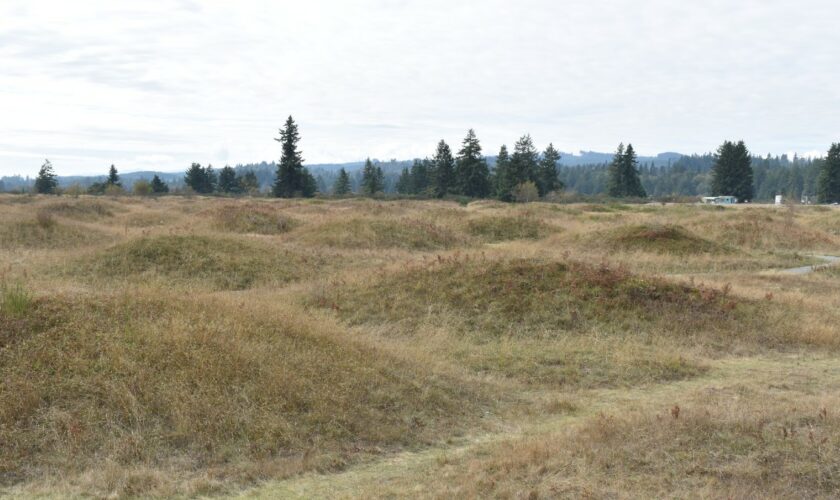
point(524, 161)
point(196, 178)
point(309, 186)
point(420, 176)
point(828, 182)
point(630, 174)
point(444, 165)
point(404, 183)
point(342, 184)
point(113, 177)
point(373, 180)
point(158, 186)
point(46, 182)
point(211, 180)
point(249, 182)
point(547, 180)
point(732, 174)
point(503, 176)
point(471, 172)
point(228, 183)
point(615, 181)
point(292, 179)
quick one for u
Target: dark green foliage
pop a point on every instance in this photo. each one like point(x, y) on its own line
point(293, 179)
point(158, 186)
point(504, 179)
point(404, 184)
point(342, 184)
point(46, 182)
point(547, 180)
point(113, 177)
point(471, 172)
point(828, 182)
point(199, 179)
point(444, 168)
point(421, 176)
point(524, 160)
point(624, 178)
point(228, 182)
point(732, 174)
point(373, 180)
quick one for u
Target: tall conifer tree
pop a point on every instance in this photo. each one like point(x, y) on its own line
point(828, 181)
point(444, 170)
point(547, 180)
point(46, 182)
point(471, 172)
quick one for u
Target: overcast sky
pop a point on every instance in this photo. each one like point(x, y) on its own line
point(160, 84)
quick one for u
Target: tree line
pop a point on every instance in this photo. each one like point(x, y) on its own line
point(525, 174)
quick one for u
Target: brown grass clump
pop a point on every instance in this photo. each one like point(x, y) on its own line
point(195, 261)
point(157, 381)
point(252, 218)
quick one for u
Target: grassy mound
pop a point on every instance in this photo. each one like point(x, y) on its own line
point(201, 261)
point(663, 239)
point(760, 229)
point(182, 386)
point(251, 218)
point(80, 209)
point(45, 232)
point(505, 228)
point(530, 297)
point(366, 233)
point(556, 323)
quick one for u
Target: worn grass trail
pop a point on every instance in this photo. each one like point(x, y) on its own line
point(420, 474)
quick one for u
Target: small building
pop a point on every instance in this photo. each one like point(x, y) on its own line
point(720, 200)
point(779, 199)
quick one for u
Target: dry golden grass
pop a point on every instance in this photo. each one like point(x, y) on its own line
point(364, 348)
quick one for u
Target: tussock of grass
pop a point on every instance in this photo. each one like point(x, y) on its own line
point(252, 218)
point(144, 380)
point(215, 262)
point(15, 299)
point(664, 239)
point(504, 228)
point(369, 233)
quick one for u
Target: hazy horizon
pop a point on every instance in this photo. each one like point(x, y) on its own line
point(160, 85)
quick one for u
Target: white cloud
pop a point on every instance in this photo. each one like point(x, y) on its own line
point(90, 83)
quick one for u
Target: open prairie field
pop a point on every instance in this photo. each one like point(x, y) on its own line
point(357, 348)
